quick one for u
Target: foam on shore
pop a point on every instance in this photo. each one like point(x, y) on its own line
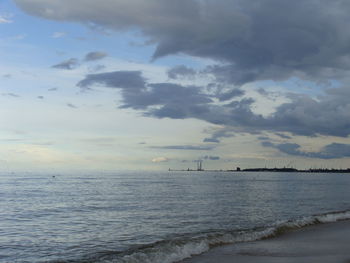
point(326, 243)
point(178, 249)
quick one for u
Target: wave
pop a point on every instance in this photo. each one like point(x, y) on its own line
point(175, 250)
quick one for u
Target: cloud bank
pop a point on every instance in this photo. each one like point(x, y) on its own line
point(267, 39)
point(303, 115)
point(330, 151)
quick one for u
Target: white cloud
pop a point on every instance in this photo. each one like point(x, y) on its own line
point(58, 34)
point(5, 20)
point(160, 160)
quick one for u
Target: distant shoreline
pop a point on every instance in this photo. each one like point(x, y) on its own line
point(289, 170)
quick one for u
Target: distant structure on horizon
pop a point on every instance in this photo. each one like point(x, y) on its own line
point(284, 169)
point(199, 165)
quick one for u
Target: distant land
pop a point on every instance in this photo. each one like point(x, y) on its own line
point(284, 169)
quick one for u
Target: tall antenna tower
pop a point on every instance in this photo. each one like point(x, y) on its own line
point(199, 165)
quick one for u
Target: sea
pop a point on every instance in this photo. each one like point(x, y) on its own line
point(156, 217)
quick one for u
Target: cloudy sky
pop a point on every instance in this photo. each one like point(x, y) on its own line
point(134, 84)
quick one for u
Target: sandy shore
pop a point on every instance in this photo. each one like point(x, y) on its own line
point(326, 243)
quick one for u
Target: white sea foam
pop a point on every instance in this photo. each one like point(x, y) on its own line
point(167, 253)
point(312, 220)
point(174, 251)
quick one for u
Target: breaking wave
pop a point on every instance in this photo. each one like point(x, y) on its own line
point(175, 250)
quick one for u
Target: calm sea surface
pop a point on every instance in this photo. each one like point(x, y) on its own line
point(153, 217)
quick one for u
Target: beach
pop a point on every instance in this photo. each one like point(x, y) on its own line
point(323, 243)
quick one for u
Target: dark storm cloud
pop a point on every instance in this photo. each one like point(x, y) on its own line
point(186, 147)
point(181, 72)
point(176, 101)
point(303, 115)
point(131, 80)
point(221, 133)
point(266, 39)
point(224, 96)
point(327, 115)
point(330, 151)
point(95, 55)
point(174, 94)
point(69, 64)
point(223, 92)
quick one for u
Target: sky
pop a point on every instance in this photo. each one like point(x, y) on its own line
point(151, 85)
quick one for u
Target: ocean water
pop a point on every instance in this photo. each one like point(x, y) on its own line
point(156, 216)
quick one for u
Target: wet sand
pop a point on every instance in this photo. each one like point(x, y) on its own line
point(326, 243)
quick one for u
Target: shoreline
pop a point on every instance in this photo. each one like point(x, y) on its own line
point(322, 243)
